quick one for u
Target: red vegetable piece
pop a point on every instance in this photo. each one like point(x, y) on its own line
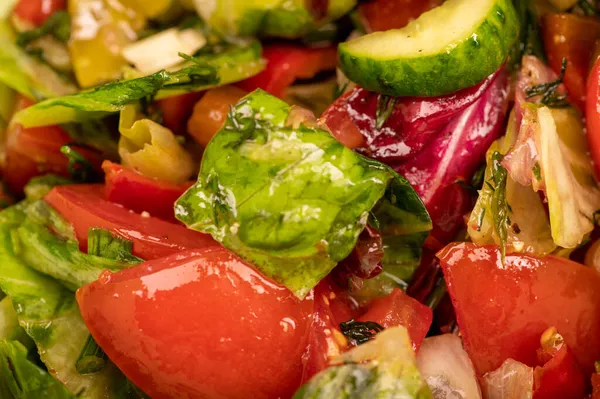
point(593, 115)
point(287, 63)
point(199, 324)
point(572, 37)
point(398, 309)
point(559, 378)
point(502, 309)
point(176, 110)
point(139, 193)
point(85, 207)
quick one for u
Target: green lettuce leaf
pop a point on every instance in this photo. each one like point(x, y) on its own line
point(234, 63)
point(10, 329)
point(292, 200)
point(384, 368)
point(46, 243)
point(37, 187)
point(20, 378)
point(49, 314)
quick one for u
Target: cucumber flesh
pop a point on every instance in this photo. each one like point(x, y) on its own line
point(451, 47)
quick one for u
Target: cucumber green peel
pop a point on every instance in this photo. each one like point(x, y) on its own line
point(453, 46)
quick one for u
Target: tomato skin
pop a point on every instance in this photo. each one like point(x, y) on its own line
point(398, 309)
point(559, 377)
point(176, 110)
point(37, 11)
point(139, 193)
point(286, 63)
point(595, 386)
point(572, 37)
point(85, 207)
point(593, 115)
point(202, 324)
point(211, 111)
point(503, 310)
point(376, 14)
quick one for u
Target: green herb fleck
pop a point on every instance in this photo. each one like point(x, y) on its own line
point(80, 168)
point(537, 171)
point(500, 207)
point(548, 91)
point(92, 358)
point(385, 106)
point(359, 332)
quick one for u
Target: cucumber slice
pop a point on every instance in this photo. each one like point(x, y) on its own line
point(453, 46)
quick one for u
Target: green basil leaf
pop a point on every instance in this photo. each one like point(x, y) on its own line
point(293, 200)
point(234, 63)
point(102, 242)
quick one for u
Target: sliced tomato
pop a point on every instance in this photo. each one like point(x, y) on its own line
point(380, 15)
point(134, 191)
point(211, 111)
point(37, 12)
point(85, 207)
point(559, 378)
point(398, 309)
point(572, 37)
point(199, 324)
point(176, 110)
point(503, 309)
point(287, 63)
point(593, 115)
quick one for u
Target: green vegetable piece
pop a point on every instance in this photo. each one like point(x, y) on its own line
point(451, 47)
point(500, 208)
point(383, 368)
point(49, 314)
point(48, 245)
point(292, 200)
point(9, 325)
point(20, 378)
point(25, 74)
point(234, 63)
point(102, 242)
point(7, 105)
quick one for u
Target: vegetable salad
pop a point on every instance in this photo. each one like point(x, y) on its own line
point(392, 199)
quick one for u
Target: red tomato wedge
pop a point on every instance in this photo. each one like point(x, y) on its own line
point(502, 310)
point(287, 63)
point(593, 114)
point(37, 12)
point(85, 207)
point(199, 324)
point(596, 386)
point(134, 191)
point(572, 37)
point(398, 309)
point(380, 15)
point(176, 110)
point(559, 378)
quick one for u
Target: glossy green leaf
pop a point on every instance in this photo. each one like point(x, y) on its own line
point(293, 200)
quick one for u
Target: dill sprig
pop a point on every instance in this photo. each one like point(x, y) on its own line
point(548, 91)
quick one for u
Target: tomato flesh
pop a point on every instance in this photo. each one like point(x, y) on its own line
point(139, 193)
point(85, 207)
point(502, 310)
point(199, 324)
point(37, 12)
point(593, 115)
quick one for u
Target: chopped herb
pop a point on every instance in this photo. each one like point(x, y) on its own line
point(548, 91)
point(500, 207)
point(359, 332)
point(480, 219)
point(385, 106)
point(92, 358)
point(80, 168)
point(103, 243)
point(537, 171)
point(57, 25)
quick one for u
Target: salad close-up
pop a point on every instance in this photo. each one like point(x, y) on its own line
point(292, 199)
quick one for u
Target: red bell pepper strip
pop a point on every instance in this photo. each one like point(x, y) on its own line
point(139, 193)
point(287, 63)
point(85, 207)
point(502, 309)
point(572, 37)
